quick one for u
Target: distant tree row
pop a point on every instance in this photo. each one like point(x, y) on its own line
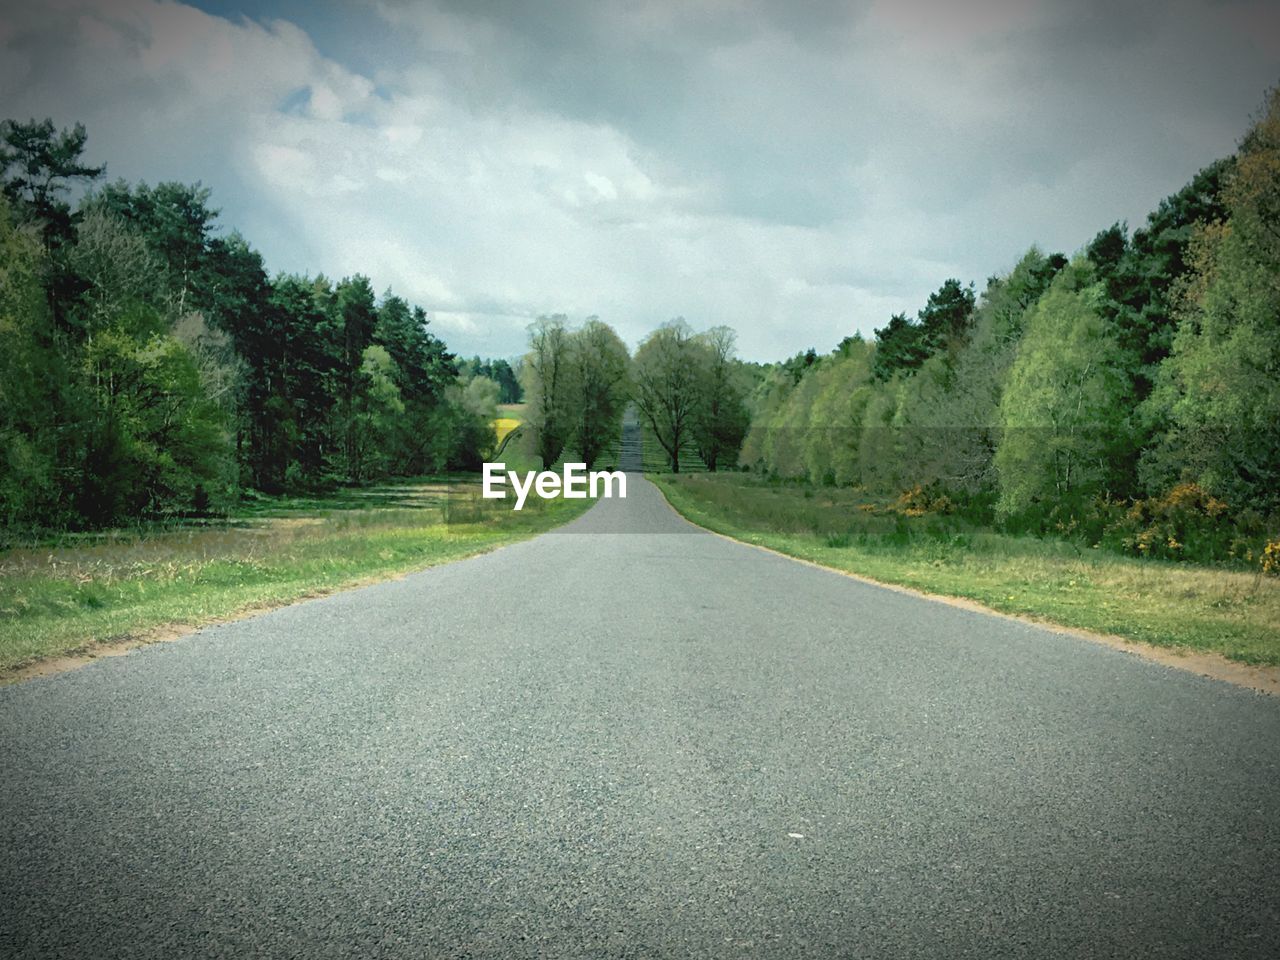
point(576, 384)
point(500, 372)
point(149, 366)
point(1135, 387)
point(689, 390)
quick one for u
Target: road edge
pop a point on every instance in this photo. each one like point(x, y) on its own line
point(1261, 679)
point(125, 644)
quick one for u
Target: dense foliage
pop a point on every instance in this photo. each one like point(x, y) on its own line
point(500, 372)
point(1131, 395)
point(690, 392)
point(576, 382)
point(150, 367)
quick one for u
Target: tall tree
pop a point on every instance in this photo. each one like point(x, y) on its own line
point(355, 317)
point(42, 399)
point(721, 417)
point(667, 379)
point(1064, 413)
point(37, 165)
point(1219, 390)
point(598, 389)
point(291, 442)
point(946, 422)
point(1141, 274)
point(424, 367)
point(177, 223)
point(547, 371)
point(899, 346)
point(946, 316)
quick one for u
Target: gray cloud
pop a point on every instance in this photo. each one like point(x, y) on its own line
point(798, 171)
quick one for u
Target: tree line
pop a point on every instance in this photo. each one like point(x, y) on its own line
point(150, 367)
point(689, 389)
point(1130, 393)
point(501, 372)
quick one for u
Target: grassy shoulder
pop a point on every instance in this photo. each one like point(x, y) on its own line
point(1232, 613)
point(77, 595)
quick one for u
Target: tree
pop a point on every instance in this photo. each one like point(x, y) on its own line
point(843, 389)
point(115, 267)
point(765, 406)
point(598, 387)
point(147, 364)
point(354, 318)
point(177, 223)
point(899, 346)
point(425, 369)
point(666, 386)
point(290, 442)
point(903, 345)
point(547, 371)
point(1218, 391)
point(946, 317)
point(508, 382)
point(376, 411)
point(39, 400)
point(947, 418)
point(1142, 273)
point(37, 163)
point(721, 417)
point(1063, 414)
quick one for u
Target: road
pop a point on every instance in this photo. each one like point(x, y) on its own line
point(630, 738)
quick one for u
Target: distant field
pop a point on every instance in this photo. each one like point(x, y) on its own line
point(1231, 612)
point(81, 592)
point(503, 426)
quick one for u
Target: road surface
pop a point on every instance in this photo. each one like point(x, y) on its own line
point(630, 738)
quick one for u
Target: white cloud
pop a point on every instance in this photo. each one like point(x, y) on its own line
point(797, 173)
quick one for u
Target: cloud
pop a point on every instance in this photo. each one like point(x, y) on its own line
point(796, 171)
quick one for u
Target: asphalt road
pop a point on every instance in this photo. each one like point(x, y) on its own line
point(634, 739)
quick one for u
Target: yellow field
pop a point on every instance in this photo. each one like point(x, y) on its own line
point(504, 425)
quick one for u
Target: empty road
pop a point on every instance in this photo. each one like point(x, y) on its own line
point(630, 738)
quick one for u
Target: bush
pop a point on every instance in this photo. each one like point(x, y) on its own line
point(921, 500)
point(1184, 523)
point(1271, 557)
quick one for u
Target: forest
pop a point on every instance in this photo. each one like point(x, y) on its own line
point(1128, 395)
point(150, 367)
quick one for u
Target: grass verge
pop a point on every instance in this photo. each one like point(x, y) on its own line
point(74, 597)
point(1182, 606)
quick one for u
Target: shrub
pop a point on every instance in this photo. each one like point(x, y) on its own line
point(1271, 557)
point(920, 500)
point(1186, 522)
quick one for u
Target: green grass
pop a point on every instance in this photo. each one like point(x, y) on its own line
point(654, 457)
point(1230, 612)
point(69, 596)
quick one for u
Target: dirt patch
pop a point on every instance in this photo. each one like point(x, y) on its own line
point(115, 647)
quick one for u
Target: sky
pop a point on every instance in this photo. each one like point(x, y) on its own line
point(797, 171)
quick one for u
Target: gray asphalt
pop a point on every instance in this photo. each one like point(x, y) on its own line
point(634, 739)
